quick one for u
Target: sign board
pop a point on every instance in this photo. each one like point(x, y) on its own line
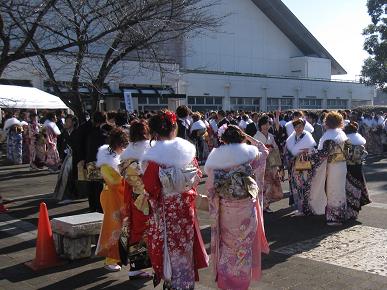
point(128, 101)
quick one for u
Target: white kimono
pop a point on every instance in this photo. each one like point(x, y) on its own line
point(336, 173)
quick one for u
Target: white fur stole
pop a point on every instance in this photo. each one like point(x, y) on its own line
point(306, 142)
point(198, 125)
point(230, 155)
point(53, 126)
point(10, 122)
point(356, 139)
point(336, 135)
point(135, 150)
point(105, 157)
point(177, 152)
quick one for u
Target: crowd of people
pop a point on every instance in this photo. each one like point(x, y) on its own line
point(143, 171)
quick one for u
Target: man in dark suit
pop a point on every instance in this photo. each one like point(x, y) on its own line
point(252, 128)
point(97, 136)
point(318, 129)
point(222, 119)
point(183, 125)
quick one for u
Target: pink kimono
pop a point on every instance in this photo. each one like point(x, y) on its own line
point(237, 233)
point(52, 155)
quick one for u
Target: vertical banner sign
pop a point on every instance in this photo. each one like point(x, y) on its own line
point(128, 101)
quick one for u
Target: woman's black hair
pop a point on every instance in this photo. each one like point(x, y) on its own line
point(351, 128)
point(118, 138)
point(233, 135)
point(138, 131)
point(160, 124)
point(263, 120)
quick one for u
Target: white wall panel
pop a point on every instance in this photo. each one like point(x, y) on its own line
point(249, 42)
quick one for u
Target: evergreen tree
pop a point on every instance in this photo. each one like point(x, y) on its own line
point(374, 70)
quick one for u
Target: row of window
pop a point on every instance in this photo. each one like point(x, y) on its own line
point(245, 101)
point(204, 100)
point(154, 100)
point(310, 103)
point(204, 103)
point(274, 104)
point(336, 104)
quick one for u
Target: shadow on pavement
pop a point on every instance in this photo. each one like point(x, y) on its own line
point(372, 158)
point(20, 272)
point(283, 229)
point(83, 279)
point(130, 284)
point(92, 275)
point(22, 175)
point(17, 247)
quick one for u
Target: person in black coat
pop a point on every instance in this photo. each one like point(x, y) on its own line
point(183, 124)
point(252, 128)
point(222, 119)
point(68, 136)
point(97, 137)
point(318, 129)
point(60, 116)
point(67, 141)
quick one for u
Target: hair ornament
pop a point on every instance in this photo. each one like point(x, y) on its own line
point(170, 116)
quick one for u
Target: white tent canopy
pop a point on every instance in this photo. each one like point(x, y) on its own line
point(16, 97)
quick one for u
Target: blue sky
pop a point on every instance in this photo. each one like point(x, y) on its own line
point(338, 25)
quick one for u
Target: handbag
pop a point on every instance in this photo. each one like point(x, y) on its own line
point(274, 158)
point(123, 246)
point(303, 163)
point(93, 172)
point(138, 257)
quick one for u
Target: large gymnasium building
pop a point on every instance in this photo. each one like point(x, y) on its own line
point(263, 59)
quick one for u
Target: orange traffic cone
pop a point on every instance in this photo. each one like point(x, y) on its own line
point(45, 256)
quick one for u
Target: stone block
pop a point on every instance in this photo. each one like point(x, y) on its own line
point(77, 248)
point(74, 235)
point(78, 225)
point(58, 241)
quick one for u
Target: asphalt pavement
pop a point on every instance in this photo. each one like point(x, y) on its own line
point(305, 253)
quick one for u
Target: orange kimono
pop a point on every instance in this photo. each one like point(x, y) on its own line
point(114, 208)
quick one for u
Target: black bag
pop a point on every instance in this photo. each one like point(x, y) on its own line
point(138, 257)
point(123, 246)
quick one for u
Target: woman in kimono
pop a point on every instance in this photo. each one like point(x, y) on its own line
point(356, 188)
point(37, 143)
point(371, 129)
point(299, 144)
point(171, 176)
point(272, 190)
point(237, 233)
point(138, 209)
point(51, 133)
point(14, 141)
point(336, 169)
point(112, 199)
point(26, 142)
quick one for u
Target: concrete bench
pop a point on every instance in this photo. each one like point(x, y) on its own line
point(74, 235)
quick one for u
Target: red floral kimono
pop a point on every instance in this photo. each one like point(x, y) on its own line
point(137, 200)
point(175, 245)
